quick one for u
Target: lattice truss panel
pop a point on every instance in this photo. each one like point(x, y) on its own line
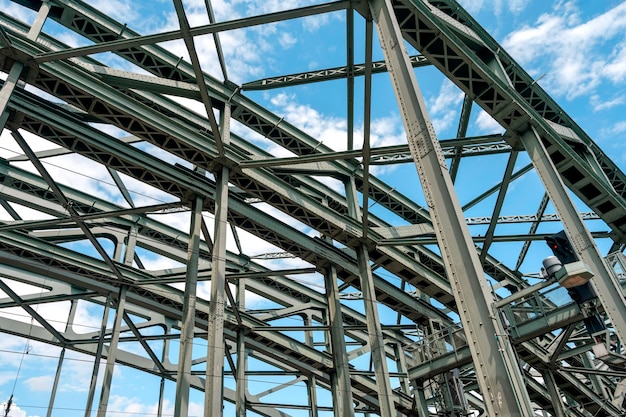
point(99, 277)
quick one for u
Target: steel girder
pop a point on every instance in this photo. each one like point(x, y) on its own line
point(85, 85)
point(456, 44)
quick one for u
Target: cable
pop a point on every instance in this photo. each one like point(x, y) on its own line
point(86, 176)
point(27, 345)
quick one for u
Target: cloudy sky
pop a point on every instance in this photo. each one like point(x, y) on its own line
point(577, 50)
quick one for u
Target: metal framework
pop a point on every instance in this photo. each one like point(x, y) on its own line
point(412, 317)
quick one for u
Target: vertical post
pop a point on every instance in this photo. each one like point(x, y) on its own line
point(164, 355)
point(111, 354)
point(181, 404)
point(96, 359)
point(497, 371)
point(161, 391)
point(402, 368)
point(55, 384)
point(608, 289)
point(312, 382)
point(374, 328)
point(341, 387)
point(350, 75)
point(131, 243)
point(117, 251)
point(421, 406)
point(241, 355)
point(215, 349)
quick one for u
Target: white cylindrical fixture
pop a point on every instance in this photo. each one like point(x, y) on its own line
point(551, 264)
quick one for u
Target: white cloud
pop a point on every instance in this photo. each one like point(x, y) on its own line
point(445, 106)
point(40, 383)
point(133, 407)
point(571, 51)
point(487, 124)
point(314, 23)
point(616, 129)
point(616, 70)
point(87, 319)
point(332, 130)
point(475, 6)
point(598, 103)
point(287, 40)
point(16, 411)
point(16, 11)
point(122, 10)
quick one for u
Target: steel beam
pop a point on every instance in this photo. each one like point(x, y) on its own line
point(341, 389)
point(103, 403)
point(242, 356)
point(376, 341)
point(491, 351)
point(135, 41)
point(97, 357)
point(215, 341)
point(607, 288)
point(187, 331)
point(55, 383)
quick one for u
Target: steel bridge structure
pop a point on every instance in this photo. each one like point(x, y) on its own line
point(412, 317)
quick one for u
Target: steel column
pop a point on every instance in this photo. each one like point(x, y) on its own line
point(181, 405)
point(131, 243)
point(55, 384)
point(215, 347)
point(241, 381)
point(160, 403)
point(341, 387)
point(497, 371)
point(98, 355)
point(374, 329)
point(312, 381)
point(402, 368)
point(111, 353)
point(421, 406)
point(607, 288)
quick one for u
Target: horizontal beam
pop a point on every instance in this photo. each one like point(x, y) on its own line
point(197, 31)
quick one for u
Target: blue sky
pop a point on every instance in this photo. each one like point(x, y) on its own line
point(577, 48)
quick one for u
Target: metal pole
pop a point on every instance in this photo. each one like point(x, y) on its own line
point(55, 384)
point(161, 391)
point(96, 359)
point(241, 384)
point(402, 368)
point(181, 404)
point(497, 370)
point(374, 329)
point(608, 289)
point(215, 350)
point(111, 354)
point(341, 387)
point(164, 355)
point(131, 243)
point(421, 406)
point(312, 382)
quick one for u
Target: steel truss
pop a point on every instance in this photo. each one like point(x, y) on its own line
point(452, 302)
